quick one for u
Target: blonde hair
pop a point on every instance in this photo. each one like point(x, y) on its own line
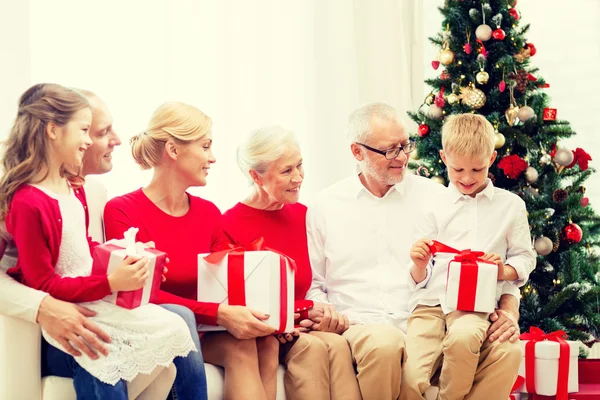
point(262, 147)
point(469, 135)
point(179, 122)
point(359, 122)
point(25, 149)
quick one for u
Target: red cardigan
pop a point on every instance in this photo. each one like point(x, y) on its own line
point(182, 238)
point(283, 230)
point(35, 223)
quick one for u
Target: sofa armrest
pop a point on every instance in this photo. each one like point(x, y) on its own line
point(20, 359)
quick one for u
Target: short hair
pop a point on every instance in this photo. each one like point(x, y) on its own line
point(468, 135)
point(262, 147)
point(175, 121)
point(359, 122)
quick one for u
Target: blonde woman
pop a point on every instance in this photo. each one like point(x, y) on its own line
point(177, 145)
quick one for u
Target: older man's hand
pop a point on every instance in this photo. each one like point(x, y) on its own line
point(332, 321)
point(69, 325)
point(505, 321)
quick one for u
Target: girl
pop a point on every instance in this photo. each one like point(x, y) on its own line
point(47, 222)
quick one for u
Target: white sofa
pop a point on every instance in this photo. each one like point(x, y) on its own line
point(20, 379)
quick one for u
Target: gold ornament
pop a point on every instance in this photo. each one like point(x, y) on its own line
point(472, 97)
point(452, 98)
point(499, 140)
point(446, 57)
point(523, 55)
point(439, 179)
point(429, 99)
point(511, 114)
point(482, 77)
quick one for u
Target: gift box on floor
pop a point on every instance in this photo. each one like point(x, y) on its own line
point(108, 257)
point(471, 282)
point(549, 364)
point(262, 280)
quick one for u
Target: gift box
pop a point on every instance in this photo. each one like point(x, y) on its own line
point(262, 280)
point(549, 364)
point(515, 395)
point(471, 282)
point(108, 257)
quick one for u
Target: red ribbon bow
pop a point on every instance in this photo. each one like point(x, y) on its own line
point(518, 382)
point(469, 271)
point(236, 276)
point(537, 335)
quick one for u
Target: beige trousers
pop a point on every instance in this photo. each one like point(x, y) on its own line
point(378, 352)
point(319, 367)
point(458, 339)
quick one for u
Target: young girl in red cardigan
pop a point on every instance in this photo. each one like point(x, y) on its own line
point(47, 222)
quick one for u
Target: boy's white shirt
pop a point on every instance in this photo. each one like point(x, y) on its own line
point(494, 221)
point(20, 301)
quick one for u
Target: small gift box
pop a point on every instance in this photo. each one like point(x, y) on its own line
point(108, 257)
point(549, 364)
point(471, 281)
point(518, 383)
point(262, 280)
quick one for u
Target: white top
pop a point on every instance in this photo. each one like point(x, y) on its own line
point(495, 220)
point(359, 247)
point(20, 301)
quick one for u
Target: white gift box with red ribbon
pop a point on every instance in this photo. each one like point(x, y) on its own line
point(552, 371)
point(109, 256)
point(261, 280)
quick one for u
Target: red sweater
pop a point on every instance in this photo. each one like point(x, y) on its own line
point(182, 238)
point(35, 223)
point(283, 230)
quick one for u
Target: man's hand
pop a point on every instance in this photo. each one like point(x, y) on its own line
point(332, 321)
point(505, 321)
point(243, 322)
point(68, 324)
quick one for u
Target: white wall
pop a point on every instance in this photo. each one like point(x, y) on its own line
point(567, 39)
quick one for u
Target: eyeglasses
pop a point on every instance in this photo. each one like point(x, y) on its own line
point(392, 153)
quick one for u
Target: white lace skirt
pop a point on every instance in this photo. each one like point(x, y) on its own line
point(141, 339)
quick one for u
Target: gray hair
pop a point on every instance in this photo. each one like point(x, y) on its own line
point(262, 147)
point(360, 120)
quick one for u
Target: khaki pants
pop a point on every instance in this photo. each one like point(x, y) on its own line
point(319, 367)
point(458, 339)
point(378, 351)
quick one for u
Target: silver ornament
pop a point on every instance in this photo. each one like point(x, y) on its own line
point(543, 246)
point(483, 32)
point(564, 157)
point(525, 113)
point(435, 112)
point(549, 212)
point(545, 159)
point(531, 174)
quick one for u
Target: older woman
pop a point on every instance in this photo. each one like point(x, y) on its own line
point(177, 146)
point(319, 365)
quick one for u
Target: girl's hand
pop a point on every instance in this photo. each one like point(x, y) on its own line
point(288, 337)
point(132, 274)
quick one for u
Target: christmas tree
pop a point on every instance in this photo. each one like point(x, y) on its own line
point(485, 65)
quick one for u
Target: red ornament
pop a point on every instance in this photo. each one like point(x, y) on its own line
point(531, 78)
point(572, 233)
point(553, 150)
point(502, 86)
point(498, 34)
point(532, 49)
point(581, 158)
point(513, 166)
point(549, 114)
point(444, 75)
point(423, 130)
point(435, 64)
point(514, 13)
point(584, 201)
point(439, 100)
point(467, 48)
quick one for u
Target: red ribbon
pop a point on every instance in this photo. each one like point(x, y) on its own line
point(236, 275)
point(469, 272)
point(537, 335)
point(518, 382)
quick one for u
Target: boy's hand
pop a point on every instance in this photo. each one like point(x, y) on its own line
point(420, 253)
point(505, 272)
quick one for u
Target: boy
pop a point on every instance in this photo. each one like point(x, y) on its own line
point(472, 214)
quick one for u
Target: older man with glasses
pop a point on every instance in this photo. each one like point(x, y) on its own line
point(359, 235)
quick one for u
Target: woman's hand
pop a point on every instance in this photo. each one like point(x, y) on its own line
point(243, 322)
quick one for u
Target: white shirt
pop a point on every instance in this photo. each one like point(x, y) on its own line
point(20, 301)
point(359, 247)
point(494, 221)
